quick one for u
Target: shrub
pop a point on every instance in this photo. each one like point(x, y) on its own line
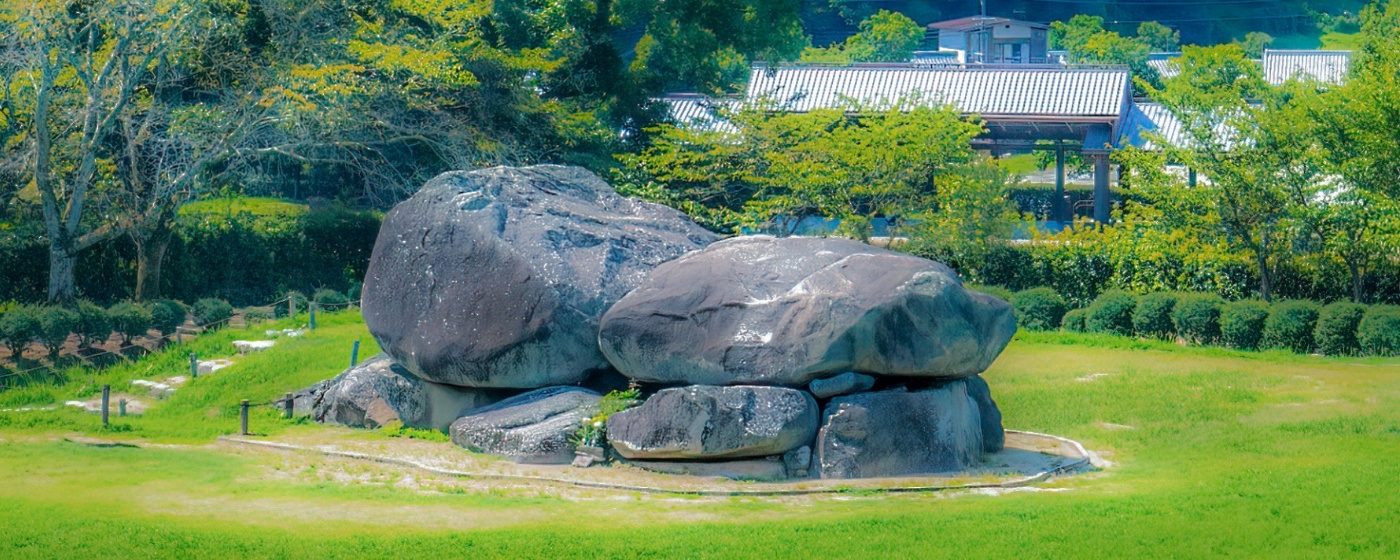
point(1197, 317)
point(996, 291)
point(94, 324)
point(130, 319)
point(166, 315)
point(1242, 323)
point(1039, 309)
point(280, 310)
point(1153, 315)
point(1290, 326)
point(55, 324)
point(1337, 324)
point(211, 312)
point(330, 299)
point(18, 327)
point(1379, 332)
point(254, 315)
point(1111, 312)
point(1073, 320)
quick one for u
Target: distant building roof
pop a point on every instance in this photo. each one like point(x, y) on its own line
point(1329, 67)
point(973, 23)
point(697, 111)
point(1160, 61)
point(1146, 121)
point(944, 58)
point(989, 91)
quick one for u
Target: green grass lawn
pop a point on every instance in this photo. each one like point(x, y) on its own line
point(1218, 453)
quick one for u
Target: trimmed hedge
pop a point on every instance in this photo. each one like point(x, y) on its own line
point(1197, 317)
point(1153, 315)
point(1242, 323)
point(55, 324)
point(18, 327)
point(1039, 309)
point(1290, 326)
point(212, 313)
point(1111, 312)
point(130, 319)
point(1379, 331)
point(94, 323)
point(1337, 324)
point(280, 310)
point(330, 299)
point(166, 315)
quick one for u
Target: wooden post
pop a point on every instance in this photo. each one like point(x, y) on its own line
point(243, 418)
point(291, 305)
point(179, 336)
point(1059, 208)
point(287, 403)
point(194, 365)
point(121, 408)
point(355, 353)
point(311, 308)
point(1102, 211)
point(106, 398)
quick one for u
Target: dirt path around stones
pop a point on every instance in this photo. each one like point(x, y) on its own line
point(1029, 458)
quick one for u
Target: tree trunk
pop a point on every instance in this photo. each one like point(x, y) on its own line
point(1357, 280)
point(62, 262)
point(150, 253)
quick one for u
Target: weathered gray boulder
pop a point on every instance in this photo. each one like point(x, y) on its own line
point(708, 422)
point(798, 461)
point(993, 435)
point(497, 277)
point(844, 384)
point(529, 428)
point(899, 433)
point(379, 391)
point(764, 310)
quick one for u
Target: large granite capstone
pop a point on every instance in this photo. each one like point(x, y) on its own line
point(707, 422)
point(379, 391)
point(899, 433)
point(785, 311)
point(497, 277)
point(533, 427)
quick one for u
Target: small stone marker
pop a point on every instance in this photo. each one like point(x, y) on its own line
point(121, 408)
point(194, 365)
point(287, 402)
point(355, 353)
point(106, 397)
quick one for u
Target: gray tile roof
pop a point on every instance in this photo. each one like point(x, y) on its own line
point(694, 110)
point(1148, 119)
point(989, 91)
point(1328, 67)
point(1161, 63)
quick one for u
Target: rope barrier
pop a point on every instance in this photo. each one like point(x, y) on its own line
point(175, 335)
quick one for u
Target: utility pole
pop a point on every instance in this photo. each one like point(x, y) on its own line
point(982, 38)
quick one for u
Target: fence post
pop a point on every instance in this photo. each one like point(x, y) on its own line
point(243, 418)
point(179, 336)
point(121, 408)
point(106, 398)
point(355, 353)
point(291, 305)
point(194, 365)
point(287, 403)
point(311, 308)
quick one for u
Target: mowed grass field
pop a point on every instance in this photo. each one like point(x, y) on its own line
point(1217, 453)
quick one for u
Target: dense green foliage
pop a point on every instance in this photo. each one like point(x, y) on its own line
point(1074, 320)
point(1196, 317)
point(211, 312)
point(166, 315)
point(1336, 332)
point(1242, 323)
point(1112, 313)
point(1379, 331)
point(883, 37)
point(1152, 317)
point(1039, 309)
point(130, 319)
point(1290, 326)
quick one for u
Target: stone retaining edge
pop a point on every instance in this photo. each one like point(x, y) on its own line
point(1082, 461)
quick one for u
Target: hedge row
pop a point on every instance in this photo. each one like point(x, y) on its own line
point(1338, 329)
point(51, 325)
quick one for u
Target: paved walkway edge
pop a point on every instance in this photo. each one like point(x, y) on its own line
point(1080, 462)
